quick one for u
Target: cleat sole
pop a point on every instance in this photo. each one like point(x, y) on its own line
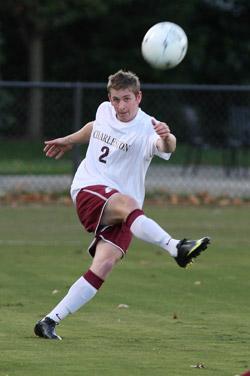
point(201, 246)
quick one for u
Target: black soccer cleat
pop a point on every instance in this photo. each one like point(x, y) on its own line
point(45, 328)
point(189, 249)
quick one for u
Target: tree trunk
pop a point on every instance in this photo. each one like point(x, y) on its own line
point(35, 111)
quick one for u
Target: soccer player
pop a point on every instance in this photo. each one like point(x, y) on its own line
point(108, 190)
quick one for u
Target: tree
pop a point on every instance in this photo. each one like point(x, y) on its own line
point(221, 52)
point(85, 40)
point(36, 20)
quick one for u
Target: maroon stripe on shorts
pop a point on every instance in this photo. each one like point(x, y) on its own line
point(93, 279)
point(132, 216)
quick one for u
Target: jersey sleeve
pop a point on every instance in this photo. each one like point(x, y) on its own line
point(160, 154)
point(153, 150)
point(100, 112)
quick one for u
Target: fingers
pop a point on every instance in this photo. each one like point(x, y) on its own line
point(46, 148)
point(162, 129)
point(51, 142)
point(53, 151)
point(59, 155)
point(49, 145)
point(154, 122)
point(158, 125)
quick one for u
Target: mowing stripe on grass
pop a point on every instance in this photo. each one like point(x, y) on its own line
point(39, 243)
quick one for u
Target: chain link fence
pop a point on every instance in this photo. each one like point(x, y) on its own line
point(211, 123)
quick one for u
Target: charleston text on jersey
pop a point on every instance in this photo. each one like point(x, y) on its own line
point(111, 140)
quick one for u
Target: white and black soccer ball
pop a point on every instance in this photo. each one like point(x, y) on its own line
point(164, 45)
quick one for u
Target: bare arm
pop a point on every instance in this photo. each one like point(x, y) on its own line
point(58, 147)
point(167, 141)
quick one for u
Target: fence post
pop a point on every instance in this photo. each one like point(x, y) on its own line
point(77, 98)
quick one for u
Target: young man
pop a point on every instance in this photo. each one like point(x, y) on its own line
point(108, 190)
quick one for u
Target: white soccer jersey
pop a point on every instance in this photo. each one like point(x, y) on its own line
point(119, 154)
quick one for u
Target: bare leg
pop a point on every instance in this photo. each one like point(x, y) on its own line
point(123, 208)
point(85, 288)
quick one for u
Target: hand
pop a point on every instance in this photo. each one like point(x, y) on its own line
point(167, 141)
point(57, 147)
point(162, 129)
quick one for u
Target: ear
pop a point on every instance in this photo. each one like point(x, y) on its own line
point(139, 97)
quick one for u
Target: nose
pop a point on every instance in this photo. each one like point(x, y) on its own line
point(121, 105)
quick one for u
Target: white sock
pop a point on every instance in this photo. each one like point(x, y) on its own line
point(148, 230)
point(78, 295)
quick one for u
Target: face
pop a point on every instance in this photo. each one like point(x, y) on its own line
point(125, 103)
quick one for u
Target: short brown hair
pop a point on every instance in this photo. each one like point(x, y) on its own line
point(122, 80)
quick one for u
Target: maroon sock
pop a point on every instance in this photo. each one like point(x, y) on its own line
point(93, 279)
point(132, 216)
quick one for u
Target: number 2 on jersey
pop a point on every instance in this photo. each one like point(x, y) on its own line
point(105, 153)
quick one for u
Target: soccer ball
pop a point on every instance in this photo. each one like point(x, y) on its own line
point(164, 45)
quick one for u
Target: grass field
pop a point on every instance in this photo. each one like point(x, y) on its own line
point(175, 318)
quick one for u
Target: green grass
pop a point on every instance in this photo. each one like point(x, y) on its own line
point(26, 157)
point(176, 318)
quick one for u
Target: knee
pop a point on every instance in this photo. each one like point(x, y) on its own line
point(126, 205)
point(118, 208)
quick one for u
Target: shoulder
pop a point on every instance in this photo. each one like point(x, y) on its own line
point(146, 122)
point(104, 108)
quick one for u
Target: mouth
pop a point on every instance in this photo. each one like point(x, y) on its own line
point(122, 115)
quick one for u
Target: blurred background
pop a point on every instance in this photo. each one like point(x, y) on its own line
point(56, 56)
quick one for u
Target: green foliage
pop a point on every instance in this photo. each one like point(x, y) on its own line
point(44, 15)
point(220, 47)
point(175, 318)
point(2, 58)
point(7, 120)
